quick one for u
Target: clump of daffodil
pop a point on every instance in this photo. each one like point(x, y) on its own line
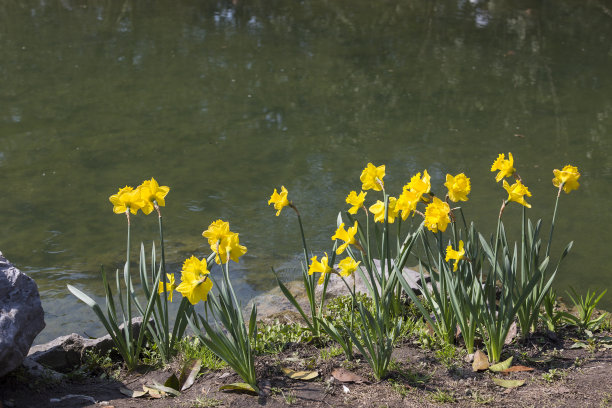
point(170, 286)
point(127, 199)
point(152, 193)
point(223, 241)
point(568, 178)
point(321, 267)
point(517, 193)
point(458, 187)
point(455, 255)
point(372, 177)
point(195, 283)
point(420, 185)
point(356, 201)
point(378, 209)
point(348, 236)
point(280, 201)
point(505, 167)
point(437, 215)
point(347, 266)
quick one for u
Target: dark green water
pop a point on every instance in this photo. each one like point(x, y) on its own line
point(224, 102)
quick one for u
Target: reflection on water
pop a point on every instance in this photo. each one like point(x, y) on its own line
point(224, 101)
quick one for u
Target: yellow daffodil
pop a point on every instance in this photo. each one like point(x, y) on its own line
point(195, 283)
point(320, 267)
point(348, 236)
point(216, 231)
point(516, 192)
point(170, 286)
point(456, 255)
point(568, 177)
point(126, 199)
point(458, 187)
point(151, 192)
point(372, 177)
point(280, 201)
point(356, 200)
point(406, 203)
point(504, 166)
point(230, 243)
point(348, 266)
point(420, 185)
point(378, 209)
point(436, 215)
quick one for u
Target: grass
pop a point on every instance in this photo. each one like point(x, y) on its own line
point(205, 402)
point(442, 397)
point(190, 348)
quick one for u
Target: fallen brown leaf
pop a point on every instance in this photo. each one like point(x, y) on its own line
point(346, 376)
point(516, 369)
point(481, 361)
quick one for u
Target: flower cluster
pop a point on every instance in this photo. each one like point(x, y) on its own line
point(222, 242)
point(145, 197)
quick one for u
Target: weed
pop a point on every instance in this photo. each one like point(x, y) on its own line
point(206, 402)
point(190, 348)
point(481, 399)
point(553, 375)
point(413, 378)
point(448, 356)
point(150, 356)
point(442, 396)
point(399, 388)
point(273, 338)
point(606, 400)
point(330, 352)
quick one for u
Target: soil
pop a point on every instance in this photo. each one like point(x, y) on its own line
point(562, 377)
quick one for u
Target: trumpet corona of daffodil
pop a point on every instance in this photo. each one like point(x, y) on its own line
point(321, 267)
point(568, 177)
point(229, 244)
point(195, 283)
point(372, 177)
point(517, 193)
point(505, 167)
point(348, 236)
point(151, 192)
point(216, 231)
point(280, 201)
point(407, 203)
point(170, 286)
point(456, 255)
point(356, 200)
point(458, 187)
point(436, 215)
point(378, 209)
point(420, 185)
point(126, 199)
point(347, 266)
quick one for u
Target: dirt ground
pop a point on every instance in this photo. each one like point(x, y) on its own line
point(562, 377)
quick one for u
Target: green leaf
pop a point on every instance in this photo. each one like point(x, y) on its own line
point(168, 390)
point(508, 383)
point(504, 365)
point(239, 387)
point(172, 382)
point(578, 345)
point(132, 393)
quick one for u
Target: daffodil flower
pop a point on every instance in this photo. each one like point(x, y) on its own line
point(280, 201)
point(348, 236)
point(436, 215)
point(229, 244)
point(420, 185)
point(348, 266)
point(321, 267)
point(195, 283)
point(151, 192)
point(504, 166)
point(516, 192)
point(568, 177)
point(456, 255)
point(407, 203)
point(126, 199)
point(458, 187)
point(170, 286)
point(378, 209)
point(216, 231)
point(356, 200)
point(372, 177)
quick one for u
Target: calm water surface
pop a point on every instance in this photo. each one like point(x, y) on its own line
point(224, 101)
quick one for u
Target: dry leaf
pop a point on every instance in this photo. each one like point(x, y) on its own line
point(346, 376)
point(300, 375)
point(481, 361)
point(504, 365)
point(153, 393)
point(132, 393)
point(240, 387)
point(516, 369)
point(508, 383)
point(188, 374)
point(511, 334)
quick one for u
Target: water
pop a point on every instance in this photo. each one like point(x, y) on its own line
point(224, 102)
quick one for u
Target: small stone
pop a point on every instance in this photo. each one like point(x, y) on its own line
point(469, 358)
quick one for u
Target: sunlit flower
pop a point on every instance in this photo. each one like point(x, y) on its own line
point(320, 267)
point(378, 209)
point(230, 243)
point(504, 166)
point(151, 192)
point(458, 187)
point(406, 203)
point(436, 215)
point(569, 175)
point(126, 199)
point(456, 255)
point(348, 266)
point(372, 177)
point(195, 283)
point(216, 231)
point(170, 286)
point(348, 236)
point(280, 201)
point(516, 192)
point(420, 185)
point(356, 200)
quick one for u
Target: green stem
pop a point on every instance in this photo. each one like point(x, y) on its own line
point(552, 224)
point(164, 280)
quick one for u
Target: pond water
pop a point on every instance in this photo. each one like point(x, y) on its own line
point(225, 101)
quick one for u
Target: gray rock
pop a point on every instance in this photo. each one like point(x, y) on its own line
point(21, 315)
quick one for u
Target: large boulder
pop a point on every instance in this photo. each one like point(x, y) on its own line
point(21, 315)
